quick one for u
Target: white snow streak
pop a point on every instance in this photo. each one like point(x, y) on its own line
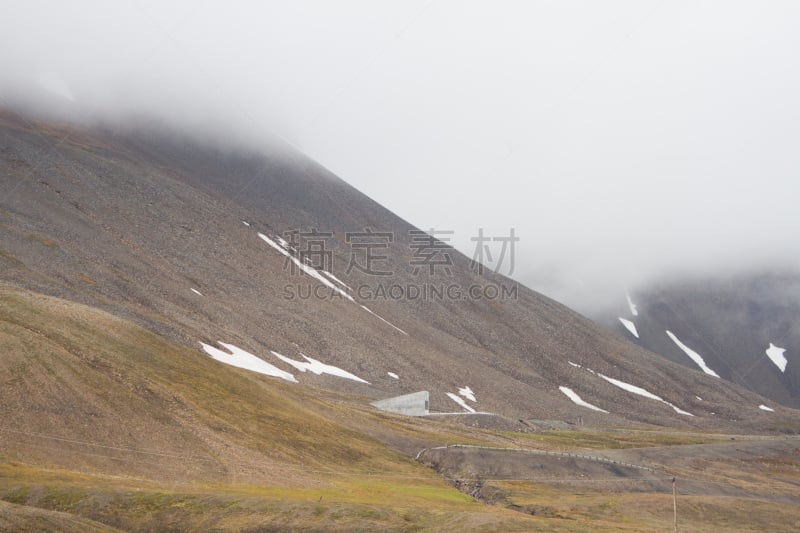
point(694, 356)
point(572, 395)
point(642, 392)
point(308, 269)
point(634, 389)
point(765, 408)
point(467, 393)
point(196, 292)
point(367, 309)
point(631, 305)
point(393, 375)
point(460, 402)
point(630, 326)
point(777, 357)
point(246, 223)
point(280, 247)
point(337, 280)
point(242, 359)
point(283, 247)
point(317, 367)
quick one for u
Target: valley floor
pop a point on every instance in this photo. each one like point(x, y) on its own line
point(750, 484)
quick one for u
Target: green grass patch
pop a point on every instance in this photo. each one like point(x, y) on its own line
point(351, 503)
point(601, 439)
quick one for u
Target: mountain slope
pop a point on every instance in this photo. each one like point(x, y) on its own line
point(150, 227)
point(743, 328)
point(134, 265)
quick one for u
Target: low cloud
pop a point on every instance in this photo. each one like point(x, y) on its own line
point(624, 141)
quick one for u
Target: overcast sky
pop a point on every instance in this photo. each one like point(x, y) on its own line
point(623, 140)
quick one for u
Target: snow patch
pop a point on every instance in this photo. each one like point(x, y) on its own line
point(572, 395)
point(323, 276)
point(630, 326)
point(283, 248)
point(699, 398)
point(279, 247)
point(765, 408)
point(576, 365)
point(460, 402)
point(393, 375)
point(246, 223)
point(365, 308)
point(467, 393)
point(642, 392)
point(196, 292)
point(694, 356)
point(317, 367)
point(631, 305)
point(776, 355)
point(337, 280)
point(243, 359)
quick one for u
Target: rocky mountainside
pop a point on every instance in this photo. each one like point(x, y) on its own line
point(744, 328)
point(192, 339)
point(192, 242)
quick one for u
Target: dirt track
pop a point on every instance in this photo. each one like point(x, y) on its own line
point(763, 469)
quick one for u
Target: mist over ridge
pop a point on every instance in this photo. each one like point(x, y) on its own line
point(625, 143)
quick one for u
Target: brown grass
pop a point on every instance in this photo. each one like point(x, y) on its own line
point(648, 512)
point(109, 425)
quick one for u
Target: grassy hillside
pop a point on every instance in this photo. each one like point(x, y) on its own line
point(115, 424)
point(110, 426)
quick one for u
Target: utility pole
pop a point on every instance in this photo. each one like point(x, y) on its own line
point(675, 504)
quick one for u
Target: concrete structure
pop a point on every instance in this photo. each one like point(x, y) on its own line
point(414, 404)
